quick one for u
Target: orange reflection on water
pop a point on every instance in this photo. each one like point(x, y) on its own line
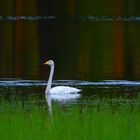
point(118, 51)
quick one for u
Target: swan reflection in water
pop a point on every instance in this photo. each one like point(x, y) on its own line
point(59, 93)
point(61, 98)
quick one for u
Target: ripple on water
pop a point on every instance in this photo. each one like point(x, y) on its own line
point(69, 18)
point(20, 82)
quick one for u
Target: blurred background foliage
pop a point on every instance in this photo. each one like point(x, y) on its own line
point(82, 49)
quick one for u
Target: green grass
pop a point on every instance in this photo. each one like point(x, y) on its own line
point(97, 125)
point(70, 124)
point(24, 116)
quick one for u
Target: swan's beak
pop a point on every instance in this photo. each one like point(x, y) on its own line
point(45, 63)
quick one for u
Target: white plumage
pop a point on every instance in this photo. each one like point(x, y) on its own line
point(63, 89)
point(59, 92)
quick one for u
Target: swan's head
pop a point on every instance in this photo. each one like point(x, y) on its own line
point(50, 63)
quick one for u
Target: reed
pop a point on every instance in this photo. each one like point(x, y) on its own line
point(71, 123)
point(101, 114)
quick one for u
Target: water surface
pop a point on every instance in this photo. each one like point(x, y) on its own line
point(103, 107)
point(100, 54)
point(83, 47)
point(95, 46)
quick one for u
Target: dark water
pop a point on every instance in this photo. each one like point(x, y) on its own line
point(95, 46)
point(97, 54)
point(32, 92)
point(83, 47)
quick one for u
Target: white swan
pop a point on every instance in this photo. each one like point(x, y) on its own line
point(59, 92)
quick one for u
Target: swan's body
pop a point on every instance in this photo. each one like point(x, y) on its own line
point(59, 91)
point(63, 89)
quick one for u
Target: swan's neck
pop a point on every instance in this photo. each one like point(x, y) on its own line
point(50, 80)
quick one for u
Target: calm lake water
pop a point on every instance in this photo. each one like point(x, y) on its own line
point(98, 54)
point(83, 47)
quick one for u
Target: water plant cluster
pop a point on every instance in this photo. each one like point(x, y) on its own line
point(101, 113)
